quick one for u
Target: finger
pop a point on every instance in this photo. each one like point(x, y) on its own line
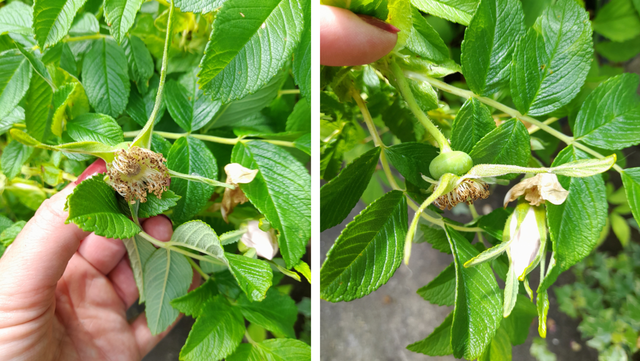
point(159, 227)
point(102, 253)
point(42, 250)
point(123, 282)
point(348, 39)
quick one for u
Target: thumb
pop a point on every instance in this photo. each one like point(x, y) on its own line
point(39, 255)
point(348, 39)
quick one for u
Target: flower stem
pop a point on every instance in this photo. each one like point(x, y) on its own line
point(508, 110)
point(198, 269)
point(143, 139)
point(211, 138)
point(407, 94)
point(85, 37)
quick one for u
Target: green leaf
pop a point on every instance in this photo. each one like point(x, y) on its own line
point(94, 208)
point(500, 348)
point(198, 6)
point(52, 19)
point(140, 106)
point(300, 118)
point(95, 127)
point(412, 160)
point(17, 18)
point(341, 194)
point(235, 66)
point(14, 156)
point(191, 156)
point(610, 116)
point(519, 321)
point(120, 15)
point(10, 233)
point(154, 205)
point(619, 52)
point(105, 77)
point(457, 11)
point(85, 24)
point(551, 62)
point(36, 65)
point(367, 252)
point(275, 349)
point(572, 237)
point(489, 43)
point(254, 276)
point(15, 73)
point(188, 106)
point(281, 191)
point(438, 343)
point(478, 302)
point(435, 236)
point(167, 275)
point(621, 228)
point(617, 20)
point(507, 144)
point(69, 101)
point(304, 143)
point(425, 95)
point(304, 269)
point(139, 60)
point(198, 236)
point(302, 57)
point(425, 41)
point(276, 313)
point(193, 303)
point(442, 289)
point(399, 15)
point(139, 251)
point(631, 182)
point(471, 124)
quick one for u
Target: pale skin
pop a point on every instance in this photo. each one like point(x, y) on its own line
point(64, 292)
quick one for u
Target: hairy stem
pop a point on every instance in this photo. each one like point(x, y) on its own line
point(143, 139)
point(211, 138)
point(508, 110)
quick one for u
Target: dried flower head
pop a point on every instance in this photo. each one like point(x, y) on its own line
point(536, 190)
point(235, 174)
point(468, 190)
point(137, 171)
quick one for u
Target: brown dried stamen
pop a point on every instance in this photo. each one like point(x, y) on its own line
point(137, 171)
point(469, 190)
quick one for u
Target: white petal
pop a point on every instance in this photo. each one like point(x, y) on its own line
point(265, 243)
point(239, 174)
point(526, 242)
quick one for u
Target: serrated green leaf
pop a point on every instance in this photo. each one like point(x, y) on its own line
point(619, 52)
point(519, 321)
point(610, 116)
point(275, 349)
point(276, 313)
point(52, 19)
point(493, 223)
point(304, 143)
point(94, 208)
point(300, 118)
point(442, 289)
point(375, 236)
point(507, 144)
point(631, 182)
point(139, 60)
point(189, 155)
point(478, 302)
point(254, 276)
point(399, 15)
point(499, 349)
point(425, 41)
point(10, 233)
point(233, 67)
point(435, 236)
point(105, 77)
point(617, 20)
point(572, 237)
point(457, 11)
point(304, 269)
point(38, 109)
point(198, 6)
point(16, 18)
point(120, 15)
point(16, 116)
point(154, 205)
point(488, 45)
point(14, 155)
point(15, 73)
point(95, 127)
point(424, 94)
point(438, 343)
point(85, 24)
point(412, 160)
point(302, 57)
point(551, 62)
point(69, 101)
point(193, 303)
point(167, 275)
point(36, 65)
point(139, 251)
point(342, 193)
point(188, 106)
point(470, 125)
point(280, 191)
point(198, 236)
point(140, 105)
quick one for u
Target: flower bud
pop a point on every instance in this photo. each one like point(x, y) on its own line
point(265, 243)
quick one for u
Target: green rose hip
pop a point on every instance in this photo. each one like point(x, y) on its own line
point(455, 162)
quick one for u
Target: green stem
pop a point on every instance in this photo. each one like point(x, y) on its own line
point(211, 138)
point(288, 91)
point(143, 139)
point(508, 110)
point(170, 246)
point(199, 179)
point(534, 128)
point(85, 37)
point(195, 266)
point(407, 94)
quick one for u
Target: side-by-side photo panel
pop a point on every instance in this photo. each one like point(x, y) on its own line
point(480, 180)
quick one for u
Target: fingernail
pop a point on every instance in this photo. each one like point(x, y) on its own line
point(167, 217)
point(99, 166)
point(371, 20)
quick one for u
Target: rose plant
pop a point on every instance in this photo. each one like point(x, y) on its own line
point(523, 80)
point(175, 96)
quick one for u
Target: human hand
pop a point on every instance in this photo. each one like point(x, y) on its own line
point(347, 39)
point(64, 293)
